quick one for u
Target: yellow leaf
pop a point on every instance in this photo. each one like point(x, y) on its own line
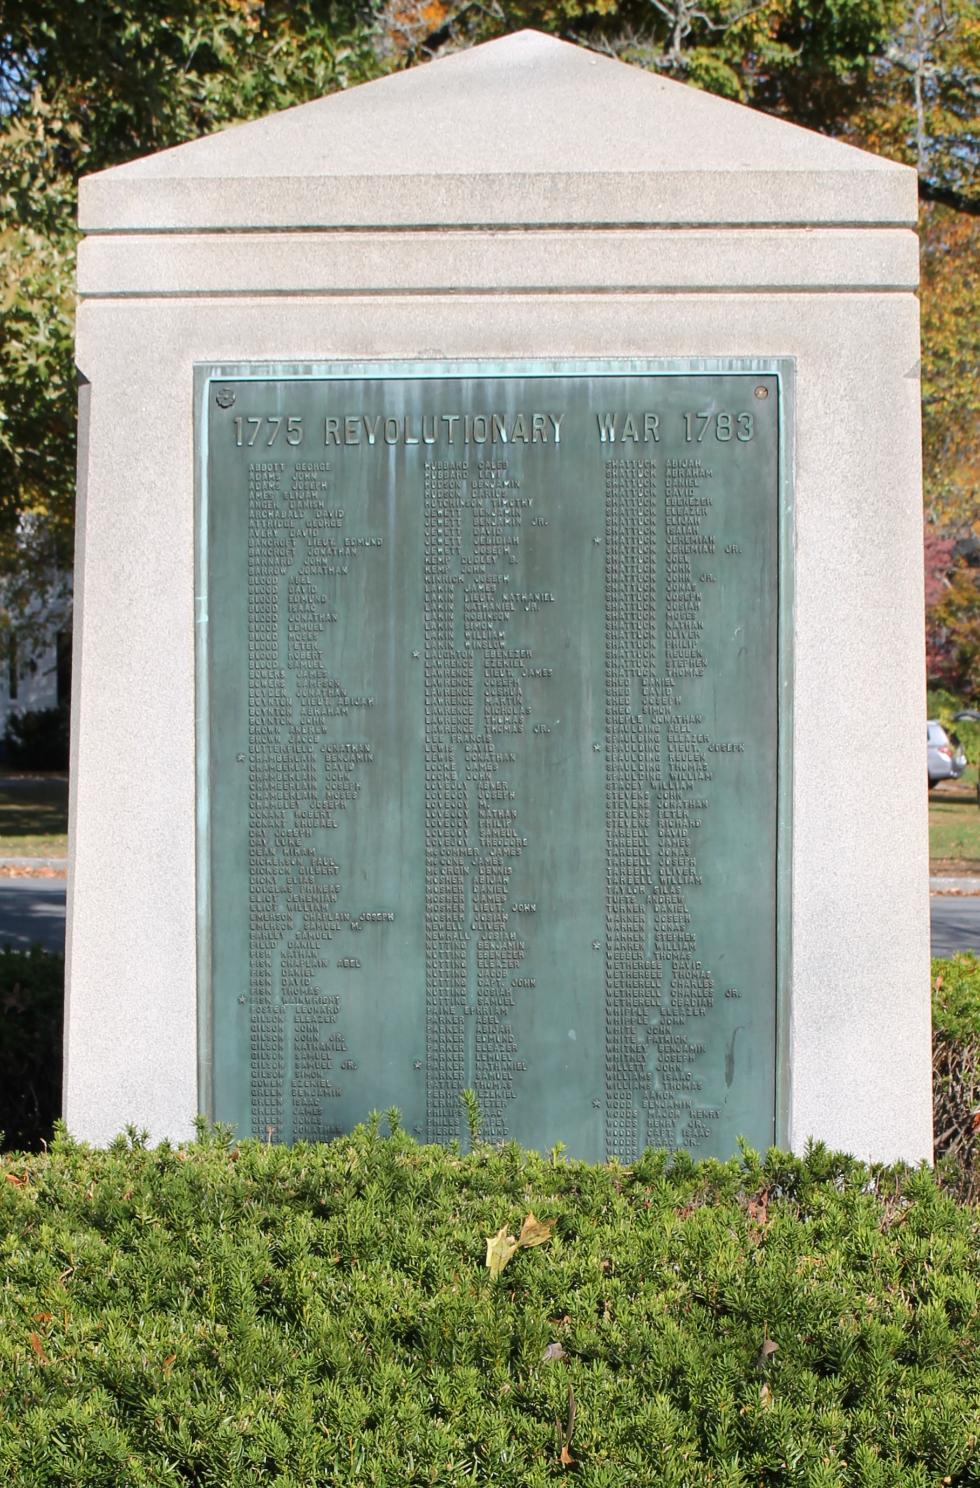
point(500, 1248)
point(535, 1231)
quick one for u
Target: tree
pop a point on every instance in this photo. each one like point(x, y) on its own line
point(950, 362)
point(953, 633)
point(804, 59)
point(86, 84)
point(924, 106)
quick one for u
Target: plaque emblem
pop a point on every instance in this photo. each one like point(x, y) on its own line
point(224, 397)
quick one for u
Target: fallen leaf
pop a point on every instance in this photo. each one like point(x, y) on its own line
point(169, 1362)
point(565, 1436)
point(553, 1352)
point(42, 1317)
point(38, 1348)
point(766, 1351)
point(535, 1232)
point(17, 1182)
point(500, 1248)
point(976, 1120)
point(765, 1396)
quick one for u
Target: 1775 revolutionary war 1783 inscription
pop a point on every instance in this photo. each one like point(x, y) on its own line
point(490, 761)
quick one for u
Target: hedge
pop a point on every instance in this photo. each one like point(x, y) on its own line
point(31, 1058)
point(32, 995)
point(37, 739)
point(243, 1314)
point(224, 1315)
point(956, 1071)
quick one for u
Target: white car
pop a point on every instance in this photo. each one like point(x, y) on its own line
point(945, 757)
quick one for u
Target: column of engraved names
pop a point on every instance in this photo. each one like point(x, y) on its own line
point(473, 698)
point(491, 601)
point(267, 712)
point(301, 776)
point(632, 983)
point(321, 768)
point(448, 705)
point(681, 1119)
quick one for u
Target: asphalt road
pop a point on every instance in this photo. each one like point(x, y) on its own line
point(32, 910)
point(955, 923)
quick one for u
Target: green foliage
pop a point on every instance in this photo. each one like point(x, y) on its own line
point(950, 243)
point(86, 84)
point(474, 1120)
point(32, 994)
point(956, 997)
point(943, 705)
point(808, 61)
point(225, 1316)
point(956, 1072)
point(922, 105)
point(955, 621)
point(37, 739)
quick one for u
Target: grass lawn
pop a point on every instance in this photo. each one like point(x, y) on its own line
point(954, 825)
point(33, 816)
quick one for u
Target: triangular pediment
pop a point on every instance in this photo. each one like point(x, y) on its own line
point(527, 129)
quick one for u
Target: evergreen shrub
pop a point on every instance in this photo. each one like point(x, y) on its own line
point(224, 1315)
point(32, 996)
point(956, 1071)
point(37, 739)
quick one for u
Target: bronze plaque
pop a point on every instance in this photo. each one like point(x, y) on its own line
point(490, 762)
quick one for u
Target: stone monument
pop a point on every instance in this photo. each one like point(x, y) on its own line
point(499, 657)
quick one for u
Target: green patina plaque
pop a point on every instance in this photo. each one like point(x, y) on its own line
point(492, 749)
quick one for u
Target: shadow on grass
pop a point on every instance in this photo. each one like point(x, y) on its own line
point(33, 805)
